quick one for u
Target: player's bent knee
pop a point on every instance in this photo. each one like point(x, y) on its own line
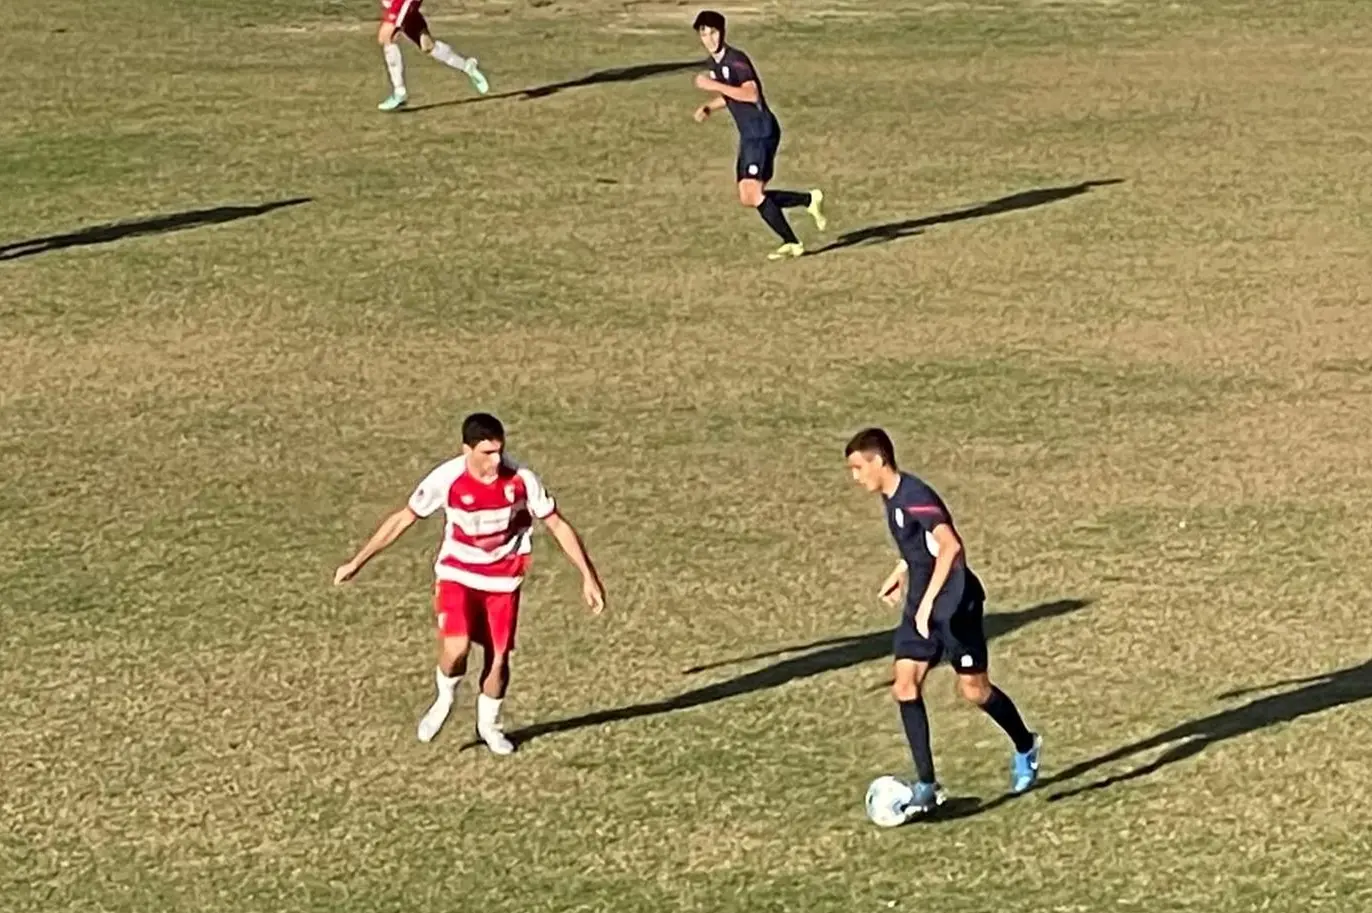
point(454, 647)
point(975, 688)
point(904, 692)
point(750, 193)
point(427, 43)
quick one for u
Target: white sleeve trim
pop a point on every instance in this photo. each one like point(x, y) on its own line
point(540, 501)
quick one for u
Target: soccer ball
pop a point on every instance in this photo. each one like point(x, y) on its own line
point(888, 801)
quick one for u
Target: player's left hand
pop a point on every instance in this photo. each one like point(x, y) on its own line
point(344, 573)
point(594, 594)
point(890, 588)
point(705, 82)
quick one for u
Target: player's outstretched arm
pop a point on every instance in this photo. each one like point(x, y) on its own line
point(570, 542)
point(391, 529)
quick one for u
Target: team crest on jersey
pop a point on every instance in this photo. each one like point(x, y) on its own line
point(726, 72)
point(510, 492)
point(900, 518)
point(467, 500)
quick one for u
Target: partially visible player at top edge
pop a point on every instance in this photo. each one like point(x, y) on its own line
point(404, 16)
point(489, 503)
point(942, 614)
point(737, 86)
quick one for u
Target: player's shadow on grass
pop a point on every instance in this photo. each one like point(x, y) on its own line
point(815, 658)
point(614, 74)
point(1027, 199)
point(1315, 694)
point(156, 225)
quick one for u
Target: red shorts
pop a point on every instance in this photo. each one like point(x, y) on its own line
point(405, 15)
point(489, 619)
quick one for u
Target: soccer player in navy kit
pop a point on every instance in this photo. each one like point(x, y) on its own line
point(942, 615)
point(737, 86)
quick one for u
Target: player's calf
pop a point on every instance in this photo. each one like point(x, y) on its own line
point(914, 718)
point(495, 673)
point(444, 53)
point(395, 68)
point(495, 680)
point(452, 665)
point(995, 703)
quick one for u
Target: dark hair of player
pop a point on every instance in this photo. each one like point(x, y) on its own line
point(873, 441)
point(710, 19)
point(482, 426)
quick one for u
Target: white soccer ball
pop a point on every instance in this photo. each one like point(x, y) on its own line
point(888, 801)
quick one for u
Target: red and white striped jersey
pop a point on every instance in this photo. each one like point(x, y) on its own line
point(489, 525)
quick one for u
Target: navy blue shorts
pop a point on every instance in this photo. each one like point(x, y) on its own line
point(757, 157)
point(955, 629)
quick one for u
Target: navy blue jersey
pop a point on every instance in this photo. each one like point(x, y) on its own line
point(912, 513)
point(755, 120)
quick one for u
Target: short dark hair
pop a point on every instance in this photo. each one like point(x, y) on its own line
point(873, 441)
point(482, 426)
point(709, 19)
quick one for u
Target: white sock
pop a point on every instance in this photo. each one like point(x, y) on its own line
point(395, 65)
point(447, 684)
point(444, 53)
point(487, 710)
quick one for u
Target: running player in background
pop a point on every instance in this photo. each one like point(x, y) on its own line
point(489, 503)
point(404, 16)
point(738, 87)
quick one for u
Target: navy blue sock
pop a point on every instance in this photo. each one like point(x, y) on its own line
point(916, 722)
point(776, 220)
point(1000, 708)
point(789, 198)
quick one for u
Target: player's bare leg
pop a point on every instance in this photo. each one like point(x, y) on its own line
point(495, 679)
point(452, 664)
point(395, 67)
point(908, 690)
point(754, 194)
point(1024, 767)
point(444, 54)
point(751, 193)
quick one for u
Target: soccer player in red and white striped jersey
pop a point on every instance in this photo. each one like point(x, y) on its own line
point(403, 17)
point(489, 504)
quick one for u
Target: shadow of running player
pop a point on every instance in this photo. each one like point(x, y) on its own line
point(1315, 694)
point(600, 77)
point(906, 228)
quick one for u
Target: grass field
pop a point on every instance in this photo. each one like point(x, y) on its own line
point(1102, 267)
